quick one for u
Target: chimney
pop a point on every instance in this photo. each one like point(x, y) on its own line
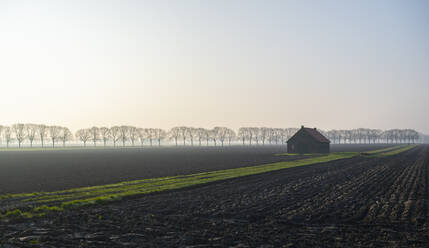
point(315, 128)
point(302, 126)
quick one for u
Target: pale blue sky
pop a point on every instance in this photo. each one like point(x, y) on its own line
point(330, 64)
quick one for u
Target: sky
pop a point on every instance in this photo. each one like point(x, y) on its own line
point(326, 64)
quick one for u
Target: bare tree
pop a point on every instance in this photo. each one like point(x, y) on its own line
point(263, 134)
point(243, 134)
point(141, 133)
point(220, 133)
point(344, 136)
point(374, 135)
point(214, 135)
point(115, 134)
point(1, 132)
point(334, 135)
point(31, 130)
point(278, 133)
point(192, 133)
point(7, 132)
point(341, 136)
point(151, 134)
point(175, 133)
point(391, 136)
point(255, 132)
point(271, 135)
point(184, 133)
point(159, 135)
point(402, 136)
point(65, 135)
point(83, 135)
point(42, 130)
point(123, 134)
point(104, 134)
point(359, 133)
point(95, 134)
point(133, 134)
point(251, 134)
point(230, 135)
point(19, 131)
point(54, 133)
point(385, 136)
point(330, 134)
point(199, 135)
point(207, 135)
point(283, 135)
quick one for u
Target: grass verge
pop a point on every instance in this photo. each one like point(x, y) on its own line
point(395, 151)
point(373, 152)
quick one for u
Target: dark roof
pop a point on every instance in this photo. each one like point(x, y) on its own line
point(313, 133)
point(317, 135)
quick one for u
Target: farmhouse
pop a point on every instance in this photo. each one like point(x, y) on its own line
point(308, 140)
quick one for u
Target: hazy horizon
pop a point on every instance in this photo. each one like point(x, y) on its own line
point(330, 64)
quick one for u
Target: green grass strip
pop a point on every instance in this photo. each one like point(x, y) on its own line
point(155, 184)
point(384, 149)
point(397, 151)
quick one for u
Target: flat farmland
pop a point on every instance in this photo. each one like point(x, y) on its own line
point(362, 201)
point(59, 169)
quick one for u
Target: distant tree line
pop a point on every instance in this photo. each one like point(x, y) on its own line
point(121, 135)
point(424, 138)
point(372, 136)
point(32, 133)
point(45, 135)
point(264, 135)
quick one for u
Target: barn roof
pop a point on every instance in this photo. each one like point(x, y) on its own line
point(317, 135)
point(313, 133)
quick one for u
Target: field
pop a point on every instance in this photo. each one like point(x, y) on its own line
point(58, 169)
point(372, 200)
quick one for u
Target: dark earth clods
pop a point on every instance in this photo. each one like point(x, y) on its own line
point(358, 202)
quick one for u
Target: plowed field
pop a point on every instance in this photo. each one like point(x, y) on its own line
point(356, 202)
point(28, 170)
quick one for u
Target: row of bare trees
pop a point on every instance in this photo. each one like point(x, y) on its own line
point(216, 135)
point(130, 135)
point(121, 134)
point(263, 135)
point(35, 132)
point(371, 136)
